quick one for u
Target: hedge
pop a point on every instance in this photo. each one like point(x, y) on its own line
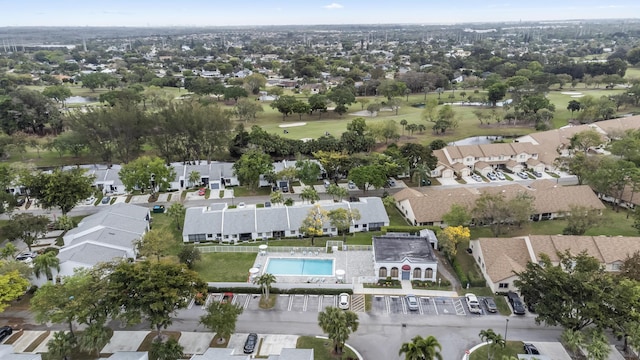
point(274, 290)
point(460, 273)
point(410, 229)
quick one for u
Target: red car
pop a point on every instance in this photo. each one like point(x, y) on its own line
point(226, 298)
point(202, 191)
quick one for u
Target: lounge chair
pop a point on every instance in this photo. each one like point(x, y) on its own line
point(304, 253)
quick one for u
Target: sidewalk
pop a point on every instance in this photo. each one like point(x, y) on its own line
point(405, 290)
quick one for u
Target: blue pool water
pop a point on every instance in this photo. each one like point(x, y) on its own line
point(300, 267)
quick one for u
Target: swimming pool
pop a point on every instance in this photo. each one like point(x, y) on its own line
point(299, 266)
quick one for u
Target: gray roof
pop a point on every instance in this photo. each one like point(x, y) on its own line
point(110, 236)
point(219, 354)
point(396, 248)
point(129, 355)
point(252, 220)
point(90, 253)
point(293, 354)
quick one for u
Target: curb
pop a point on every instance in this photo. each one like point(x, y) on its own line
point(347, 345)
point(468, 352)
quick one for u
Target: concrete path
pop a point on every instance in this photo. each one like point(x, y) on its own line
point(43, 345)
point(273, 344)
point(125, 341)
point(25, 340)
point(195, 343)
point(554, 350)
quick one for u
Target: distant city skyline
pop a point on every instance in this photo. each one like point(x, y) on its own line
point(145, 13)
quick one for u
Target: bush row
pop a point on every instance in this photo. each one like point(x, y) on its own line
point(409, 229)
point(257, 290)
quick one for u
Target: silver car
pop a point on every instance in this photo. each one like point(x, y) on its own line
point(343, 301)
point(412, 302)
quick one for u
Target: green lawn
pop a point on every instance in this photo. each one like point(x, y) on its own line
point(225, 267)
point(322, 348)
point(513, 348)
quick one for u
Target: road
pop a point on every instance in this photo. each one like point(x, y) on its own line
point(377, 337)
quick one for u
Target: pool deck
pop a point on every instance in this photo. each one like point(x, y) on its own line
point(356, 264)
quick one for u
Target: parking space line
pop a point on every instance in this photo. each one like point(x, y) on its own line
point(435, 306)
point(246, 301)
point(388, 302)
point(304, 304)
point(332, 298)
point(290, 303)
point(420, 305)
point(193, 301)
point(457, 304)
point(208, 301)
point(404, 305)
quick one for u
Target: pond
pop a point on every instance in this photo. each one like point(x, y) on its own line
point(477, 140)
point(80, 100)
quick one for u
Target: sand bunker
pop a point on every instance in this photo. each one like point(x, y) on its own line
point(293, 124)
point(570, 93)
point(577, 96)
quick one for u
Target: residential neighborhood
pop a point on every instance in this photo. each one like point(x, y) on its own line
point(290, 184)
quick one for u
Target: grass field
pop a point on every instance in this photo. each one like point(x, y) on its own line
point(322, 348)
point(513, 348)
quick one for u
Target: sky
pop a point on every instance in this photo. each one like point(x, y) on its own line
point(145, 13)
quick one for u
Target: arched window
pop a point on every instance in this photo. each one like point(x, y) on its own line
point(417, 273)
point(428, 273)
point(382, 272)
point(394, 272)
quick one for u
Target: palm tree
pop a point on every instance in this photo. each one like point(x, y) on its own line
point(412, 350)
point(194, 178)
point(598, 347)
point(309, 194)
point(420, 172)
point(420, 348)
point(45, 263)
point(177, 211)
point(265, 281)
point(404, 123)
point(61, 345)
point(495, 341)
point(94, 338)
point(338, 324)
point(170, 350)
point(572, 339)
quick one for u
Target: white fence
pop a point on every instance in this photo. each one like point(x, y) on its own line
point(254, 249)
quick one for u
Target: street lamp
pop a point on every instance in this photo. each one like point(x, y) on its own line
point(506, 329)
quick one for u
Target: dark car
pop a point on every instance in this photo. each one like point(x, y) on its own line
point(490, 304)
point(250, 344)
point(516, 303)
point(20, 200)
point(106, 199)
point(5, 331)
point(158, 209)
point(531, 349)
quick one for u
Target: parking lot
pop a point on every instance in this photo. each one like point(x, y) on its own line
point(380, 304)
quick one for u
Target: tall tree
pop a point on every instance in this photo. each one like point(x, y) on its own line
point(611, 177)
point(580, 219)
point(166, 350)
point(61, 345)
point(337, 192)
point(153, 291)
point(309, 194)
point(12, 286)
point(451, 237)
point(368, 175)
point(189, 255)
point(458, 215)
point(26, 227)
point(307, 171)
point(63, 189)
point(250, 166)
point(342, 219)
point(495, 341)
point(246, 110)
point(147, 173)
point(156, 243)
point(284, 104)
point(313, 224)
point(94, 338)
point(221, 318)
point(338, 325)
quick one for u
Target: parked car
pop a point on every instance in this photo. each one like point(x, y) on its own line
point(26, 256)
point(106, 200)
point(531, 349)
point(20, 200)
point(227, 297)
point(516, 303)
point(523, 175)
point(492, 176)
point(202, 191)
point(326, 183)
point(343, 301)
point(412, 302)
point(537, 174)
point(158, 209)
point(250, 343)
point(490, 304)
point(472, 303)
point(476, 177)
point(351, 185)
point(500, 175)
point(425, 182)
point(241, 205)
point(5, 331)
point(90, 200)
point(391, 182)
point(267, 204)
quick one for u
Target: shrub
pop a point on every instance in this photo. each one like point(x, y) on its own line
point(460, 273)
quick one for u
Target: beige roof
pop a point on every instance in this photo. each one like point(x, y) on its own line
point(548, 198)
point(503, 256)
point(481, 165)
point(618, 126)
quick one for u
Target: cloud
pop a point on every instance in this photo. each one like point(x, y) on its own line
point(333, 6)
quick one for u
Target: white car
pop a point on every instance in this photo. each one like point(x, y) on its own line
point(90, 200)
point(500, 175)
point(476, 177)
point(412, 302)
point(473, 303)
point(523, 175)
point(343, 301)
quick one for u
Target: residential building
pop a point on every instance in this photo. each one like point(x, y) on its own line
point(108, 235)
point(550, 200)
point(219, 222)
point(500, 259)
point(401, 256)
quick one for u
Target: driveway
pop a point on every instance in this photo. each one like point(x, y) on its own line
point(554, 350)
point(448, 181)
